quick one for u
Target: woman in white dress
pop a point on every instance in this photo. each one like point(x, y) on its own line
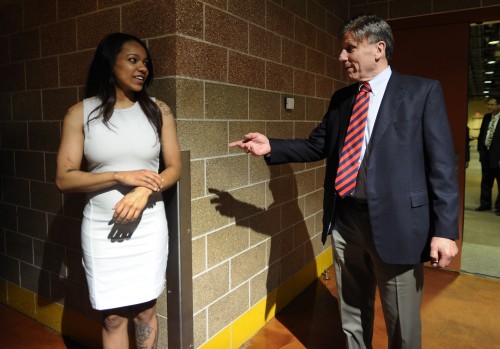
point(122, 132)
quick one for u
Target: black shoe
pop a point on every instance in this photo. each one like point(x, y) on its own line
point(497, 212)
point(482, 208)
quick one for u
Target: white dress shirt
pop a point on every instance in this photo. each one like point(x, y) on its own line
point(378, 85)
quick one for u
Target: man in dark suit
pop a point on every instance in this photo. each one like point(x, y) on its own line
point(488, 146)
point(403, 207)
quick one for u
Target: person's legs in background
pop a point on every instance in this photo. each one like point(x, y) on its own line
point(487, 179)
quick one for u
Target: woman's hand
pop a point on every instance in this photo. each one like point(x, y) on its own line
point(130, 207)
point(140, 178)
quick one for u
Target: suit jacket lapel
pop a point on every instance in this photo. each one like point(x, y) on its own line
point(393, 97)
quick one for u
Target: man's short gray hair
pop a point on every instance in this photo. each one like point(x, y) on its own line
point(372, 28)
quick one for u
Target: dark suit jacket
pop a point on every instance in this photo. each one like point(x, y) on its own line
point(411, 183)
point(489, 158)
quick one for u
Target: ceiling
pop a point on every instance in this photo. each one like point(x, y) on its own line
point(484, 60)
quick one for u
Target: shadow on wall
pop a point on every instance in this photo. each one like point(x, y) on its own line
point(62, 278)
point(283, 221)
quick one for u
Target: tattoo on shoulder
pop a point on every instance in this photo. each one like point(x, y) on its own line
point(165, 109)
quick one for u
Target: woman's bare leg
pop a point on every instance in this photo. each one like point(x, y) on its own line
point(114, 329)
point(146, 325)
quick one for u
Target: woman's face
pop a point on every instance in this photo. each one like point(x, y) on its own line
point(131, 67)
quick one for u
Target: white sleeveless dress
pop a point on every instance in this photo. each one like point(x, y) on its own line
point(125, 264)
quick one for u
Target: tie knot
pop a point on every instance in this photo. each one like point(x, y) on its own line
point(365, 87)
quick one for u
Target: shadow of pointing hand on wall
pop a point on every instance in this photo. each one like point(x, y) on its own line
point(227, 205)
point(282, 221)
point(290, 249)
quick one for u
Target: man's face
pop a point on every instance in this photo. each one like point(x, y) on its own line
point(362, 60)
point(493, 106)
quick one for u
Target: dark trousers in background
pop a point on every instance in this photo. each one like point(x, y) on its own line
point(488, 177)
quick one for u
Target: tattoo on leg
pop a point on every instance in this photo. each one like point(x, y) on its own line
point(142, 333)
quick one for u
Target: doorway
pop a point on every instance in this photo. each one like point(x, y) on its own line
point(481, 232)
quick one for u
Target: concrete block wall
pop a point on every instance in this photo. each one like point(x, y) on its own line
point(225, 66)
point(253, 226)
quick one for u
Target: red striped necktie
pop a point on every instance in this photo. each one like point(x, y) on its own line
point(351, 152)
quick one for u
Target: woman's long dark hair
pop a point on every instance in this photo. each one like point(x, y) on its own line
point(101, 82)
